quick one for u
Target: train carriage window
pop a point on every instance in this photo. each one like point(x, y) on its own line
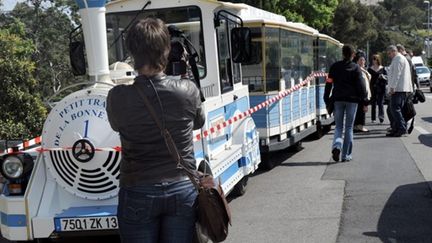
point(253, 71)
point(187, 19)
point(287, 57)
point(229, 72)
point(322, 58)
point(305, 57)
point(272, 57)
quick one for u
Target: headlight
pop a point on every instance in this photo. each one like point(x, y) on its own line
point(12, 167)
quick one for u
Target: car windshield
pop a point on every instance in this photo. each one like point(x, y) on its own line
point(422, 70)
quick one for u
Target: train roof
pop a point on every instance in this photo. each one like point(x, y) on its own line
point(329, 38)
point(227, 5)
point(292, 26)
point(250, 15)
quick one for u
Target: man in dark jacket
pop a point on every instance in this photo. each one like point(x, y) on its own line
point(345, 87)
point(156, 197)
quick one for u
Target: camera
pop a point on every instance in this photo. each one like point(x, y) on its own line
point(177, 57)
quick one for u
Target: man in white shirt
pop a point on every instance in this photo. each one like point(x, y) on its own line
point(399, 84)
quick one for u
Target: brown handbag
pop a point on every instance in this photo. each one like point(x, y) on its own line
point(213, 213)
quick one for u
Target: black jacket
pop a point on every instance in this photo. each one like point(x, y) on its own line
point(145, 157)
point(345, 83)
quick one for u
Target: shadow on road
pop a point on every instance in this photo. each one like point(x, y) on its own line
point(426, 139)
point(308, 163)
point(427, 119)
point(407, 216)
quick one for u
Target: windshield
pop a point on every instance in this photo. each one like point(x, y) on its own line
point(422, 70)
point(188, 19)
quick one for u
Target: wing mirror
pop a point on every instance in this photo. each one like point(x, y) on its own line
point(77, 59)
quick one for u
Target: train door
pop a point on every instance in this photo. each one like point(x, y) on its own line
point(229, 72)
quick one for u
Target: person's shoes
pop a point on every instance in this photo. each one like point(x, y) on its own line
point(360, 128)
point(390, 133)
point(357, 128)
point(381, 120)
point(399, 134)
point(389, 129)
point(373, 121)
point(335, 154)
point(364, 130)
point(347, 159)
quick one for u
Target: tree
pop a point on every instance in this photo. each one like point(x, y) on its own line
point(23, 113)
point(315, 13)
point(48, 24)
point(354, 23)
point(406, 14)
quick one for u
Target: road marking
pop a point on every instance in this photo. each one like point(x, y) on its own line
point(421, 130)
point(429, 96)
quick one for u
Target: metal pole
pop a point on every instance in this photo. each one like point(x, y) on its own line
point(428, 27)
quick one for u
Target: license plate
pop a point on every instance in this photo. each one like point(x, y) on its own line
point(93, 223)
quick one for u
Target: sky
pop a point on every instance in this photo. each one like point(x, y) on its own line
point(9, 4)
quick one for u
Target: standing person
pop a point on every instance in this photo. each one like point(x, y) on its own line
point(347, 89)
point(360, 119)
point(399, 84)
point(156, 197)
point(408, 56)
point(377, 87)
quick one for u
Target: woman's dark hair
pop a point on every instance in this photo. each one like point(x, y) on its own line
point(358, 55)
point(347, 51)
point(148, 41)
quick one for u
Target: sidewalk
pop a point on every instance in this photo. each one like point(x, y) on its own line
point(291, 203)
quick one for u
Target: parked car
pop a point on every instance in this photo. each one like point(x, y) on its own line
point(417, 61)
point(423, 75)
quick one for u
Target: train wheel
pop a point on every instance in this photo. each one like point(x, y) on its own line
point(240, 188)
point(267, 163)
point(298, 146)
point(319, 132)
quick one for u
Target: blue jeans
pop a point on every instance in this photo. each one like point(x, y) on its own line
point(162, 212)
point(344, 111)
point(397, 101)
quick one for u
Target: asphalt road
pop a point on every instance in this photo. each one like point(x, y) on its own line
point(383, 195)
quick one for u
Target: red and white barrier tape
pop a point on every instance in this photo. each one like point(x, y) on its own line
point(113, 149)
point(240, 116)
point(205, 133)
point(25, 145)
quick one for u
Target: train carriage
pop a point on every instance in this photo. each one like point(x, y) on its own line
point(284, 57)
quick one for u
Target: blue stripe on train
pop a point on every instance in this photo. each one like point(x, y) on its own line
point(320, 98)
point(304, 99)
point(296, 105)
point(225, 112)
point(286, 109)
point(228, 173)
point(267, 116)
point(13, 220)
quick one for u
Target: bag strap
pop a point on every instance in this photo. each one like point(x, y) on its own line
point(169, 141)
point(410, 129)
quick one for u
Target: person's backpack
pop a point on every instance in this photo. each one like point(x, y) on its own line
point(409, 112)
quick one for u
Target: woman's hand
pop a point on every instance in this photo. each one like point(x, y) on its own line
point(365, 108)
point(207, 182)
